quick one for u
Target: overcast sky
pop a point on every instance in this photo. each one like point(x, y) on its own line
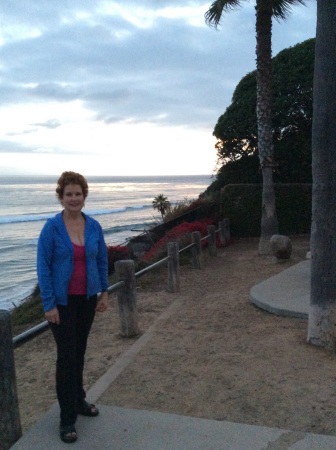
point(123, 88)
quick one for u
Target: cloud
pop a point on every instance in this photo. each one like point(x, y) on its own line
point(51, 123)
point(127, 62)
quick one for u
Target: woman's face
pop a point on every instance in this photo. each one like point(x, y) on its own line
point(73, 198)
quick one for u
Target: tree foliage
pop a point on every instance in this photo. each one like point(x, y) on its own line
point(162, 204)
point(236, 129)
point(280, 9)
point(265, 11)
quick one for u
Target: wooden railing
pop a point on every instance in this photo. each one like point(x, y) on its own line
point(10, 426)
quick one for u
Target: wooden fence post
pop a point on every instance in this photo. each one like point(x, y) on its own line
point(127, 298)
point(221, 228)
point(10, 425)
point(212, 240)
point(196, 250)
point(173, 267)
point(227, 232)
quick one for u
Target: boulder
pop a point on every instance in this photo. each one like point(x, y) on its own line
point(281, 246)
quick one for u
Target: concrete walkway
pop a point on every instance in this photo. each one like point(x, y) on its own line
point(285, 294)
point(124, 429)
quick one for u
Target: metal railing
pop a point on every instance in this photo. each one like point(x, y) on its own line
point(224, 234)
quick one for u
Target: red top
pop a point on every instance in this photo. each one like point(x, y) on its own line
point(77, 285)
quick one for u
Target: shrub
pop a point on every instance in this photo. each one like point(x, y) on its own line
point(201, 201)
point(30, 312)
point(116, 253)
point(178, 209)
point(241, 203)
point(181, 234)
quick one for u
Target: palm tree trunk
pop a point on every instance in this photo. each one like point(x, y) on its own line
point(322, 313)
point(269, 222)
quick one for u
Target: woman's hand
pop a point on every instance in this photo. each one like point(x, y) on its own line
point(102, 303)
point(53, 316)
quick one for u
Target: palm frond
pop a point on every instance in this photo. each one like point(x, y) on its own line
point(282, 8)
point(214, 13)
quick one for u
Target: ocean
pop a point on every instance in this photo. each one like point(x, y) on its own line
point(122, 205)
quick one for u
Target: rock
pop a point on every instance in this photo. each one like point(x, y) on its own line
point(281, 246)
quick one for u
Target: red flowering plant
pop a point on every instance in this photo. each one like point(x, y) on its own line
point(181, 234)
point(116, 253)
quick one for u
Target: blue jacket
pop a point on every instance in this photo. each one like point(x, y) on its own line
point(55, 261)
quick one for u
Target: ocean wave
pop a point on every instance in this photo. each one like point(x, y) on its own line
point(25, 218)
point(9, 248)
point(136, 227)
point(13, 296)
point(91, 212)
point(25, 248)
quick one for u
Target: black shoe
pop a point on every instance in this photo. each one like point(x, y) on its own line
point(68, 433)
point(87, 409)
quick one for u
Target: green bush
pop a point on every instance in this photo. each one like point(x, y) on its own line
point(203, 203)
point(177, 209)
point(241, 203)
point(27, 314)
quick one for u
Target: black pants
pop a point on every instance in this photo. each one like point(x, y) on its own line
point(71, 338)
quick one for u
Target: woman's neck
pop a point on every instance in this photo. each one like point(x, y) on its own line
point(72, 216)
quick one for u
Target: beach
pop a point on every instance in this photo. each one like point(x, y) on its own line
point(218, 357)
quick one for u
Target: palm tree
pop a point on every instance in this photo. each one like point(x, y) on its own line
point(322, 312)
point(162, 204)
point(265, 10)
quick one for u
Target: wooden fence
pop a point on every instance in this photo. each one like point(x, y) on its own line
point(10, 425)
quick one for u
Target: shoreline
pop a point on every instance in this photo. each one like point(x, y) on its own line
point(130, 196)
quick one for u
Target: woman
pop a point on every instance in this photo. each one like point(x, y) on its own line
point(72, 274)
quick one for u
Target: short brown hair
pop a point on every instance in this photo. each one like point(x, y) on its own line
point(71, 178)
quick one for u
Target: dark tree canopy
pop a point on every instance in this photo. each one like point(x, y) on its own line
point(236, 129)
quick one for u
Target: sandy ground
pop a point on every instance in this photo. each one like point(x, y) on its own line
point(219, 357)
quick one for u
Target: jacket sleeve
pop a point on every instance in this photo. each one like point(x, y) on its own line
point(102, 261)
point(44, 266)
